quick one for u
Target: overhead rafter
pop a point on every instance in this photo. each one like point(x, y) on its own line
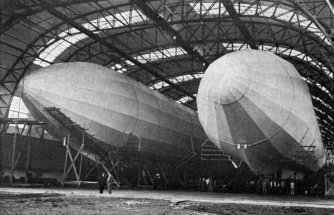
point(153, 15)
point(114, 48)
point(31, 4)
point(240, 25)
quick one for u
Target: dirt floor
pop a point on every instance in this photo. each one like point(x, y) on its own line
point(51, 202)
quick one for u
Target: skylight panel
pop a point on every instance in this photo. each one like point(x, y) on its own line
point(268, 48)
point(175, 80)
point(268, 12)
point(159, 85)
point(209, 8)
point(184, 99)
point(158, 55)
point(245, 9)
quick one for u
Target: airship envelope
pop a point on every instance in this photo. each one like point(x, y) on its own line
point(256, 107)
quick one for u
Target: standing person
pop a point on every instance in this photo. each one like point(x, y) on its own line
point(210, 185)
point(109, 183)
point(102, 181)
point(292, 188)
point(202, 184)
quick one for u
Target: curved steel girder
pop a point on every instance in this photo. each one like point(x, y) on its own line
point(328, 116)
point(39, 7)
point(207, 20)
point(30, 9)
point(92, 12)
point(315, 90)
point(172, 60)
point(194, 42)
point(34, 9)
point(56, 27)
point(82, 29)
point(284, 25)
point(293, 60)
point(117, 6)
point(325, 128)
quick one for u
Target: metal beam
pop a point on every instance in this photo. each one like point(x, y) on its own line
point(153, 15)
point(114, 48)
point(240, 25)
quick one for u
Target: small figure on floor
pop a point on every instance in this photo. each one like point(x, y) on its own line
point(102, 181)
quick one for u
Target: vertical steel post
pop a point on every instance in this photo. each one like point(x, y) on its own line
point(83, 144)
point(1, 152)
point(28, 152)
point(64, 174)
point(13, 155)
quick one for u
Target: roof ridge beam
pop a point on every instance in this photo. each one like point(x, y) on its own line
point(240, 25)
point(165, 26)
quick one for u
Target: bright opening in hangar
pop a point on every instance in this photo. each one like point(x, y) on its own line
point(216, 95)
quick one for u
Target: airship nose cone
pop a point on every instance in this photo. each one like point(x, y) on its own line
point(231, 86)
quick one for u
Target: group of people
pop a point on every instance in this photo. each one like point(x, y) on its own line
point(206, 184)
point(106, 178)
point(272, 187)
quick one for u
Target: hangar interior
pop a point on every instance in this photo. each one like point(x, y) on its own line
point(164, 44)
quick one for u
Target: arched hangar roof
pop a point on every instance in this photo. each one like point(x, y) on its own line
point(168, 44)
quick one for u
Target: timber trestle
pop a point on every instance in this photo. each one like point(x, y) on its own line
point(77, 133)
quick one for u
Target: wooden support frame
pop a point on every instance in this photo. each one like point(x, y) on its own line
point(109, 172)
point(189, 156)
point(72, 160)
point(1, 155)
point(143, 174)
point(114, 167)
point(163, 171)
point(329, 186)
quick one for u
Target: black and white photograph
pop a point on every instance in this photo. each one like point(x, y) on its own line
point(175, 107)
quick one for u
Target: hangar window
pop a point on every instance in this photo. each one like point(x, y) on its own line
point(149, 57)
point(18, 109)
point(178, 79)
point(185, 99)
point(158, 55)
point(57, 48)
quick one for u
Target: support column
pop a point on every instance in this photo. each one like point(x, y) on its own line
point(28, 153)
point(163, 173)
point(142, 175)
point(72, 162)
point(65, 144)
point(12, 169)
point(1, 153)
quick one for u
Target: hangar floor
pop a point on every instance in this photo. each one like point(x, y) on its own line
point(84, 201)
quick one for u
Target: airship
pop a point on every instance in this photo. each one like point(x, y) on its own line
point(112, 108)
point(256, 107)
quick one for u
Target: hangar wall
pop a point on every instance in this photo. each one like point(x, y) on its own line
point(46, 155)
